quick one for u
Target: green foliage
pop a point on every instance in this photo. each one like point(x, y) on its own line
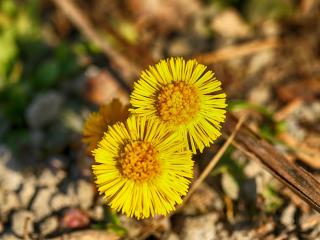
point(272, 199)
point(27, 64)
point(259, 10)
point(269, 127)
point(111, 222)
point(8, 53)
point(236, 105)
point(13, 101)
point(233, 171)
point(47, 74)
point(227, 164)
point(115, 224)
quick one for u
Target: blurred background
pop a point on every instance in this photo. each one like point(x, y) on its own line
point(61, 59)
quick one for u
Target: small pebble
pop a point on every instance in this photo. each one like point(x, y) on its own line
point(22, 221)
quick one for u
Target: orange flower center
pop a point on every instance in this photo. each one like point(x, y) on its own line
point(178, 103)
point(139, 161)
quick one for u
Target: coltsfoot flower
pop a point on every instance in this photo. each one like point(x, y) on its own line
point(183, 96)
point(142, 169)
point(97, 122)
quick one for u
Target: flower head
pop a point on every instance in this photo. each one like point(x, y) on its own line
point(97, 123)
point(183, 96)
point(142, 168)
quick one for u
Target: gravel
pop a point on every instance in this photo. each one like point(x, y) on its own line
point(60, 201)
point(27, 191)
point(85, 193)
point(22, 221)
point(40, 205)
point(200, 228)
point(49, 225)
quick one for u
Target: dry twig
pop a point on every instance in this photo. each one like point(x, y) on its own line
point(296, 178)
point(214, 160)
point(235, 51)
point(79, 19)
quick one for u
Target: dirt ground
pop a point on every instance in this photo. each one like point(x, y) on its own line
point(60, 60)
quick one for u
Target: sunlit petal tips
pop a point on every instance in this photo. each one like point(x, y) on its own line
point(97, 122)
point(183, 96)
point(142, 169)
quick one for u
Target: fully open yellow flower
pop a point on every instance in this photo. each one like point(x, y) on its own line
point(142, 168)
point(97, 123)
point(184, 97)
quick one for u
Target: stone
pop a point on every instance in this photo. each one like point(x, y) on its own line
point(85, 193)
point(40, 205)
point(60, 201)
point(8, 201)
point(97, 213)
point(270, 28)
point(22, 221)
point(309, 112)
point(200, 228)
point(260, 61)
point(57, 162)
point(37, 114)
point(72, 192)
point(230, 186)
point(8, 236)
point(27, 191)
point(287, 216)
point(49, 178)
point(229, 24)
point(10, 178)
point(295, 129)
point(222, 231)
point(133, 226)
point(72, 120)
point(260, 95)
point(172, 14)
point(74, 218)
point(179, 47)
point(173, 236)
point(49, 225)
point(203, 200)
point(242, 234)
point(89, 235)
point(262, 178)
point(102, 87)
point(315, 232)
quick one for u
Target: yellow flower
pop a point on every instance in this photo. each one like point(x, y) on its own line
point(142, 168)
point(98, 122)
point(184, 97)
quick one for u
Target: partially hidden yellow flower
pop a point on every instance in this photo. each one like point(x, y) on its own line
point(183, 96)
point(142, 169)
point(97, 122)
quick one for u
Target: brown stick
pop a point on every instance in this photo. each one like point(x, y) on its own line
point(235, 51)
point(79, 18)
point(296, 178)
point(214, 160)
